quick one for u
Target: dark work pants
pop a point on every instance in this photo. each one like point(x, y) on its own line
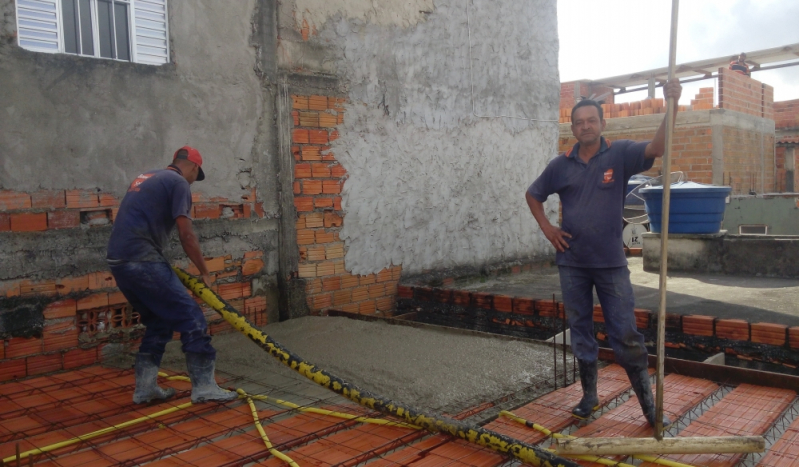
point(165, 306)
point(615, 294)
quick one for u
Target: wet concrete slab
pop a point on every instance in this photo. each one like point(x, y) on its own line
point(755, 299)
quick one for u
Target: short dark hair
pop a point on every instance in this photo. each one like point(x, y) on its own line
point(585, 103)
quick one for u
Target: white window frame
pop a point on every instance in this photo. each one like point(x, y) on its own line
point(152, 17)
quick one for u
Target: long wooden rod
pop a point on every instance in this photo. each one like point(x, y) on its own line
point(664, 226)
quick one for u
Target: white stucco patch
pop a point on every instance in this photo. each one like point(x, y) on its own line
point(431, 185)
point(382, 12)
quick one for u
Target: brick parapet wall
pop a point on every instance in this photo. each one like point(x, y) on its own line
point(318, 181)
point(83, 313)
point(786, 114)
point(702, 101)
point(744, 170)
point(67, 209)
point(743, 94)
point(732, 336)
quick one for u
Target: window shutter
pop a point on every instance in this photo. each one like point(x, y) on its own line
point(150, 31)
point(38, 25)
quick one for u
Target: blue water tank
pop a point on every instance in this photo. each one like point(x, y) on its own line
point(695, 208)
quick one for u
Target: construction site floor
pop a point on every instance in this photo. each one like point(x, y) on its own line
point(40, 411)
point(755, 299)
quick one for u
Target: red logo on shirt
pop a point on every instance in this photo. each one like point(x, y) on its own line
point(608, 177)
point(139, 180)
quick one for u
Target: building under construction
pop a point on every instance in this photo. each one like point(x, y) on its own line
point(362, 218)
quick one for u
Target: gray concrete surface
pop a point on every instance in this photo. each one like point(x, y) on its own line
point(756, 299)
point(437, 369)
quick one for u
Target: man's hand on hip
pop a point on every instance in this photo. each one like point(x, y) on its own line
point(557, 237)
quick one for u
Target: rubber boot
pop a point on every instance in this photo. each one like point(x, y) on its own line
point(588, 379)
point(147, 387)
point(643, 390)
point(203, 384)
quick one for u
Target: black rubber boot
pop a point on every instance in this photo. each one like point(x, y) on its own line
point(588, 379)
point(203, 384)
point(643, 390)
point(147, 388)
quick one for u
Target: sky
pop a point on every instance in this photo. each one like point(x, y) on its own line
point(604, 38)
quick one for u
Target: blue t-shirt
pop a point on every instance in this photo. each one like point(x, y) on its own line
point(147, 216)
point(592, 198)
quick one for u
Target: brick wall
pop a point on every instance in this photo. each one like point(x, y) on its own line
point(743, 94)
point(786, 114)
point(703, 100)
point(744, 170)
point(318, 181)
point(84, 313)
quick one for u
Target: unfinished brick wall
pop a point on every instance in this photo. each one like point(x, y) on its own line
point(318, 181)
point(744, 168)
point(87, 312)
point(786, 114)
point(83, 312)
point(743, 94)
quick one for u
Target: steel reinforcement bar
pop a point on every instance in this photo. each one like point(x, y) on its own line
point(433, 423)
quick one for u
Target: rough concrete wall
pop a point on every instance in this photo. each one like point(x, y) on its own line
point(431, 185)
point(72, 122)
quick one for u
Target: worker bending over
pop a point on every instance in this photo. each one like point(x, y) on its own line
point(155, 202)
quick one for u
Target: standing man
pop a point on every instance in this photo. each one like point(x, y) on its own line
point(591, 180)
point(155, 202)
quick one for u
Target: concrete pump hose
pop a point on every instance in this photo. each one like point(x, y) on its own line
point(434, 423)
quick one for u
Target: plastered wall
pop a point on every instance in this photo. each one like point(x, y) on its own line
point(430, 184)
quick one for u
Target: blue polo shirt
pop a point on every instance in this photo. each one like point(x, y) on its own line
point(592, 198)
point(147, 216)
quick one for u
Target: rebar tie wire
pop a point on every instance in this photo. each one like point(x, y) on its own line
point(242, 395)
point(599, 460)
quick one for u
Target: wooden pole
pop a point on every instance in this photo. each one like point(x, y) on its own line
point(687, 445)
point(664, 227)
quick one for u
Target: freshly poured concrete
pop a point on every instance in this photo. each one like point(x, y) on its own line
point(443, 370)
point(756, 299)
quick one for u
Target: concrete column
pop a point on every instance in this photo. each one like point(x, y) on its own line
point(790, 168)
point(717, 152)
point(651, 88)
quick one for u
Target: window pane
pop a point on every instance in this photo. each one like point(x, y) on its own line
point(123, 35)
point(70, 27)
point(85, 16)
point(105, 28)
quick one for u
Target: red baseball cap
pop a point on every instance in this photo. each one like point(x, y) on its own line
point(191, 155)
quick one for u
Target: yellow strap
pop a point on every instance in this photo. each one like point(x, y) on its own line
point(268, 444)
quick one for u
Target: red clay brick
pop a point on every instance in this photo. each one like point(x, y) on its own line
point(793, 337)
point(768, 333)
point(116, 298)
point(303, 203)
point(312, 187)
point(333, 220)
point(28, 222)
point(482, 300)
point(66, 285)
point(66, 219)
point(327, 120)
point(299, 136)
point(5, 222)
point(367, 307)
point(342, 297)
point(349, 281)
point(317, 102)
point(43, 364)
point(80, 357)
point(299, 102)
point(331, 283)
point(47, 199)
point(318, 136)
point(207, 211)
point(107, 200)
point(403, 291)
point(323, 202)
point(736, 329)
point(254, 254)
point(331, 187)
point(82, 199)
point(23, 347)
point(698, 325)
point(302, 171)
point(93, 301)
point(13, 369)
point(376, 290)
point(252, 266)
point(385, 303)
point(12, 200)
point(27, 287)
point(524, 306)
point(503, 303)
point(337, 171)
point(101, 280)
point(385, 275)
point(309, 119)
point(461, 297)
point(61, 309)
point(59, 335)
